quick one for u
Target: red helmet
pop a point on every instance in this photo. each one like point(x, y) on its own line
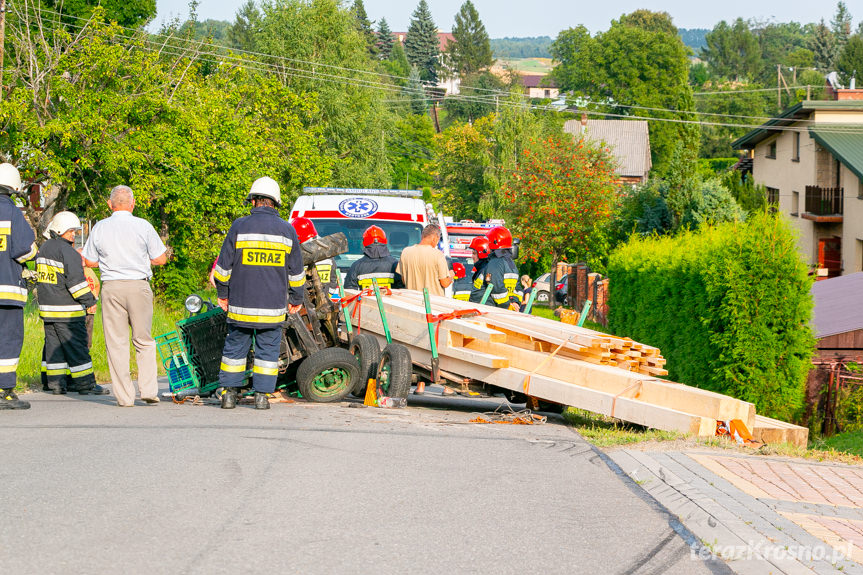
point(459, 270)
point(374, 235)
point(305, 229)
point(499, 238)
point(480, 244)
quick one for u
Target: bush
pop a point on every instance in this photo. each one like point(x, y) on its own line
point(729, 305)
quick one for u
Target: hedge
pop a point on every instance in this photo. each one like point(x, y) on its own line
point(728, 305)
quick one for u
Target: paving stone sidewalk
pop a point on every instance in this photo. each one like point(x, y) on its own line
point(759, 514)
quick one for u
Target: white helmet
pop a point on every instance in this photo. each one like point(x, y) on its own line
point(10, 178)
point(267, 188)
point(62, 223)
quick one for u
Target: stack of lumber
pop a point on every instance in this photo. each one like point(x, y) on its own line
point(553, 361)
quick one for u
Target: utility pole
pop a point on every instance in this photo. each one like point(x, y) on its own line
point(2, 41)
point(779, 87)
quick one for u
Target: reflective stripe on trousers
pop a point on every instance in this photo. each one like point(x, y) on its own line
point(265, 368)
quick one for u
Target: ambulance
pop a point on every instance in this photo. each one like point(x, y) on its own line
point(461, 233)
point(402, 215)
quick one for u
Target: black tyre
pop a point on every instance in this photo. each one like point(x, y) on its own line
point(395, 371)
point(367, 351)
point(550, 407)
point(328, 375)
point(514, 396)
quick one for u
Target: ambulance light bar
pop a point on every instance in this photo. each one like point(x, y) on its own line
point(363, 192)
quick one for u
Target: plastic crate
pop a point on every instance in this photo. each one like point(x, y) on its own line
point(181, 376)
point(203, 335)
point(175, 360)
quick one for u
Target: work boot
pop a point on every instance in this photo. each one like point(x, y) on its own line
point(8, 400)
point(229, 398)
point(95, 390)
point(261, 401)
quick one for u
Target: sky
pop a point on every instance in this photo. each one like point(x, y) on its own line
point(548, 17)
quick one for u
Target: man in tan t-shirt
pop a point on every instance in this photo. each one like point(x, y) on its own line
point(424, 266)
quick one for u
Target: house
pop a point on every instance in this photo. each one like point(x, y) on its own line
point(539, 86)
point(628, 140)
point(810, 159)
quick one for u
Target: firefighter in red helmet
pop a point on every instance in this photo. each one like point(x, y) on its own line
point(481, 250)
point(327, 269)
point(501, 271)
point(376, 263)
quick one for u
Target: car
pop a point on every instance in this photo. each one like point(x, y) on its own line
point(543, 290)
point(560, 290)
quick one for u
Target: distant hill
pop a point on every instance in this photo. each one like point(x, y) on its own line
point(537, 47)
point(694, 38)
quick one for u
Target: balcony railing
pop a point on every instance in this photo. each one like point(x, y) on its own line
point(824, 201)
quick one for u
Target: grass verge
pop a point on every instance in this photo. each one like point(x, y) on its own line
point(603, 431)
point(30, 363)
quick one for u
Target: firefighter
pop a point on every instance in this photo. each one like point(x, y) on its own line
point(259, 270)
point(16, 247)
point(327, 269)
point(462, 285)
point(64, 296)
point(481, 250)
point(501, 271)
point(376, 263)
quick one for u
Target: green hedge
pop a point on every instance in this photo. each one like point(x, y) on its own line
point(728, 305)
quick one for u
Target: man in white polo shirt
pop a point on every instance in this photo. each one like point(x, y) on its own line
point(124, 247)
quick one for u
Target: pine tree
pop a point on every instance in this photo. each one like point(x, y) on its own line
point(422, 45)
point(416, 92)
point(385, 40)
point(470, 50)
point(823, 46)
point(364, 26)
point(841, 26)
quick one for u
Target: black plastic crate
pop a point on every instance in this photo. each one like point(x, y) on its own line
point(204, 336)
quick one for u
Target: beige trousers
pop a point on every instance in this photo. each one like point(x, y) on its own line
point(125, 304)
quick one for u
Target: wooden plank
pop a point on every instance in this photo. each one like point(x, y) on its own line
point(767, 430)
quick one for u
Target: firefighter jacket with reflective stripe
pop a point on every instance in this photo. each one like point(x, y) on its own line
point(376, 263)
point(64, 292)
point(478, 288)
point(260, 270)
point(16, 247)
point(502, 273)
point(461, 288)
point(327, 271)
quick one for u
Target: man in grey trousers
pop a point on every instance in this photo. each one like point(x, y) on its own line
point(124, 247)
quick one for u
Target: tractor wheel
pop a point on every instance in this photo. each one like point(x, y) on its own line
point(328, 375)
point(366, 349)
point(395, 371)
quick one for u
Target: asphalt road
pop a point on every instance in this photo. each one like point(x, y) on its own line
point(309, 488)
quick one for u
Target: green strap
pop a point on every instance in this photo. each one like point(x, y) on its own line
point(431, 327)
point(381, 309)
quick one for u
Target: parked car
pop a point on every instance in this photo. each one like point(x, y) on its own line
point(543, 290)
point(561, 291)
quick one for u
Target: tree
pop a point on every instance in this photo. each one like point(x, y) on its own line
point(823, 46)
point(470, 50)
point(465, 155)
point(364, 26)
point(476, 99)
point(626, 69)
point(303, 33)
point(850, 62)
point(129, 13)
point(650, 21)
point(415, 92)
point(422, 46)
point(840, 25)
point(727, 105)
point(561, 200)
point(398, 65)
point(384, 40)
point(246, 26)
point(411, 145)
point(733, 51)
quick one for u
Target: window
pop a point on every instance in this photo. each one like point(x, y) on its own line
point(796, 151)
point(547, 93)
point(773, 199)
point(771, 150)
point(795, 203)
